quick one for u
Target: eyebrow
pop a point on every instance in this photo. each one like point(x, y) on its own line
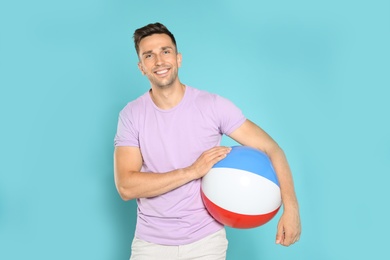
point(162, 48)
point(166, 47)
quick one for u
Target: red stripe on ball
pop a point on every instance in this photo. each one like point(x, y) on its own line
point(236, 220)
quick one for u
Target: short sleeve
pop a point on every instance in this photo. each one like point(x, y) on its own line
point(230, 117)
point(126, 134)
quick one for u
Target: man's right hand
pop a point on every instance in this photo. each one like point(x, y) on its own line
point(207, 160)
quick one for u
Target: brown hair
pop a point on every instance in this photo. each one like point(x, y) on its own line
point(153, 28)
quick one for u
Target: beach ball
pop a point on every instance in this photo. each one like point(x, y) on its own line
point(242, 190)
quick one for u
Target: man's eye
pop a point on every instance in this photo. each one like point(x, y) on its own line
point(167, 52)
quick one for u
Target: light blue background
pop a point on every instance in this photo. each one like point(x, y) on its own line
point(313, 74)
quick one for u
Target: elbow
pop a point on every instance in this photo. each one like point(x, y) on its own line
point(124, 197)
point(125, 191)
point(125, 194)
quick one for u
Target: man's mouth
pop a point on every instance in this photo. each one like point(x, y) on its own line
point(161, 72)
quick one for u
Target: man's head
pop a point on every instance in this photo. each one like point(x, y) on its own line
point(150, 29)
point(158, 56)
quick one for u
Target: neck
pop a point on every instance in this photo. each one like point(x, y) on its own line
point(167, 97)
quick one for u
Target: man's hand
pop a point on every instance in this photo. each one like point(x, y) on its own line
point(289, 228)
point(207, 160)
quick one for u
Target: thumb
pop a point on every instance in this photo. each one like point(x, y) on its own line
point(280, 235)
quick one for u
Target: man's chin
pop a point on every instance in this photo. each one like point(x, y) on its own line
point(163, 83)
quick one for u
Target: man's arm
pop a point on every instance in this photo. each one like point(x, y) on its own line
point(131, 183)
point(289, 227)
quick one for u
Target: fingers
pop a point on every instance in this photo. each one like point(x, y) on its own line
point(216, 154)
point(286, 238)
point(207, 160)
point(289, 228)
point(280, 236)
point(289, 239)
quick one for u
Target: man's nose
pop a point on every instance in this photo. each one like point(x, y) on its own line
point(159, 60)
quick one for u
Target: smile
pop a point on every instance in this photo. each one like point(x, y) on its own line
point(161, 72)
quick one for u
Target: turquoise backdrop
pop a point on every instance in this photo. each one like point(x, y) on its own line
point(313, 74)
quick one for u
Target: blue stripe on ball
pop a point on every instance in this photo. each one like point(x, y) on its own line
point(251, 160)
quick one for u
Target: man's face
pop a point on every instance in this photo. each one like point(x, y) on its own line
point(159, 60)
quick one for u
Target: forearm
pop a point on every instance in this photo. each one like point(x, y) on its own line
point(285, 178)
point(131, 183)
point(145, 184)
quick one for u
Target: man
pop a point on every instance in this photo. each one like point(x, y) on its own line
point(166, 141)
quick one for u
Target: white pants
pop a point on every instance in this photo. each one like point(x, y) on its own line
point(212, 247)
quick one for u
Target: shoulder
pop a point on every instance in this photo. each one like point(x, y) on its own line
point(207, 98)
point(135, 106)
point(202, 96)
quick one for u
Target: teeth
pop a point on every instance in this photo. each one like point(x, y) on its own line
point(161, 72)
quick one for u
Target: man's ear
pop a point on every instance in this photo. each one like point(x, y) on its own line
point(141, 68)
point(179, 59)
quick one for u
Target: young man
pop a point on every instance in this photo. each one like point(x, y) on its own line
point(166, 141)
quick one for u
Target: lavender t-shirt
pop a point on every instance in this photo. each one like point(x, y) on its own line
point(173, 139)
